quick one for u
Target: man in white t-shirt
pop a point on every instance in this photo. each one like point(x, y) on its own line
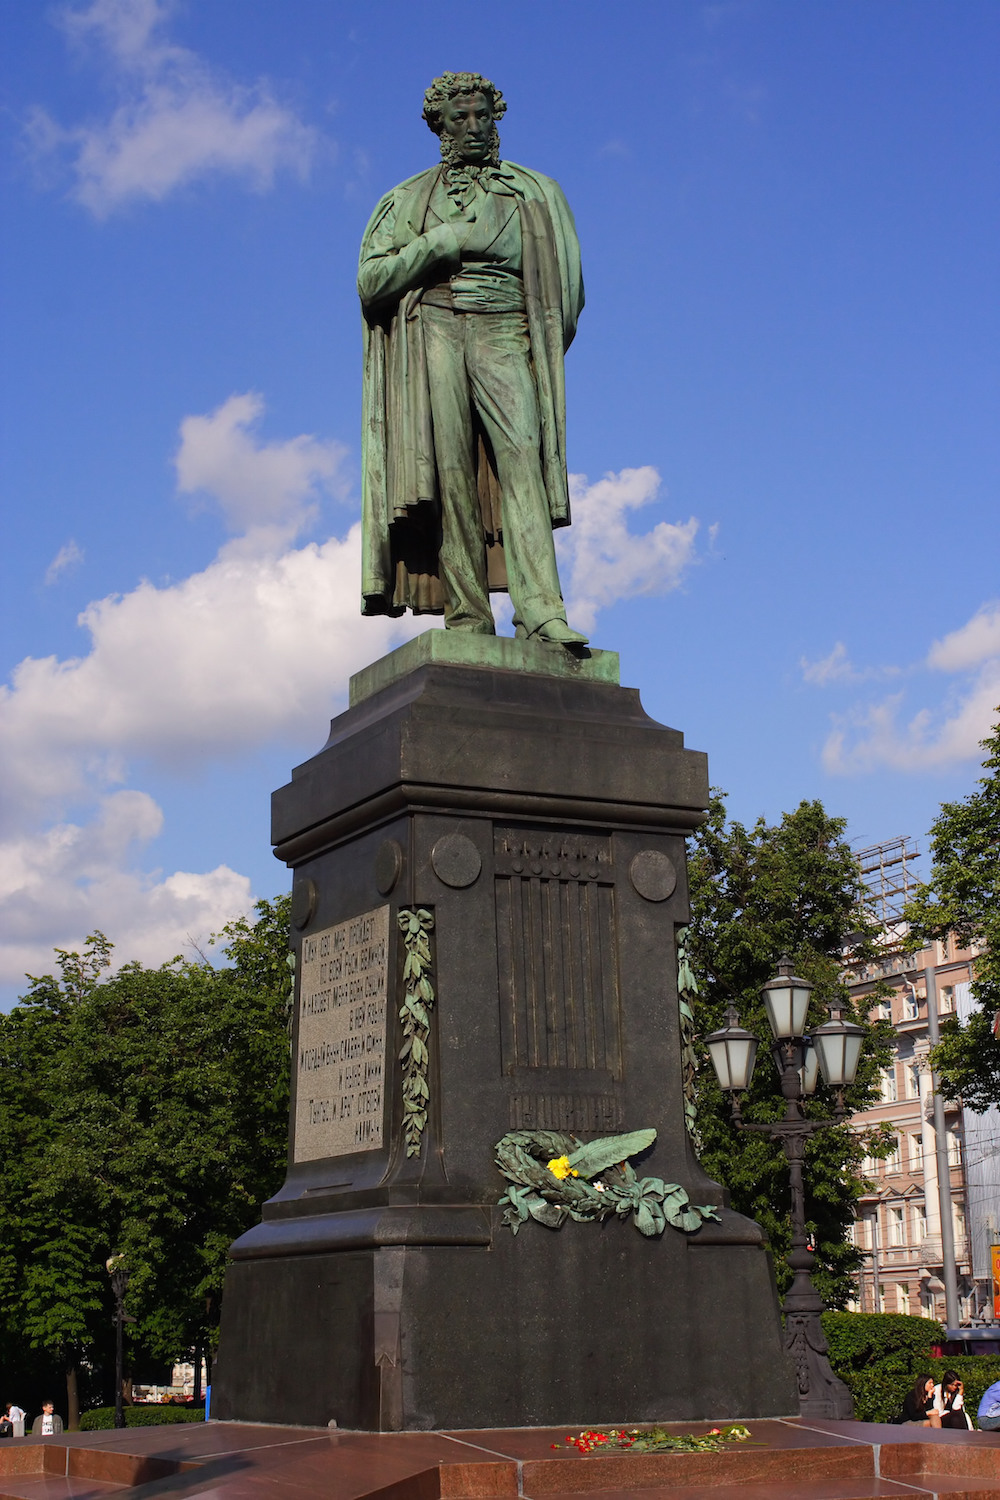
point(48, 1424)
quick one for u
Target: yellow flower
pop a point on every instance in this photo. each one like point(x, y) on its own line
point(559, 1167)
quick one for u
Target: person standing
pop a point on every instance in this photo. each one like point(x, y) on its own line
point(49, 1423)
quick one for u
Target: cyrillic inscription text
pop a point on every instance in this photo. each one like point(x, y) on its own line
point(340, 1057)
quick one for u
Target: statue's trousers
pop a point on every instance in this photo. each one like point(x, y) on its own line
point(479, 367)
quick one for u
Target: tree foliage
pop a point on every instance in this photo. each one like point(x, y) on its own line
point(143, 1113)
point(962, 898)
point(879, 1355)
point(758, 893)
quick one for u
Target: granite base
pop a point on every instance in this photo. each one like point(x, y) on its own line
point(539, 816)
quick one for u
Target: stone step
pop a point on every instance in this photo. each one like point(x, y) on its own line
point(786, 1460)
point(906, 1487)
point(58, 1487)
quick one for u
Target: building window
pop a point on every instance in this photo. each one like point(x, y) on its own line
point(902, 1297)
point(909, 1006)
point(919, 1222)
point(897, 1228)
point(954, 1149)
point(889, 1094)
point(916, 1153)
point(946, 998)
point(959, 1213)
point(892, 1161)
point(911, 1079)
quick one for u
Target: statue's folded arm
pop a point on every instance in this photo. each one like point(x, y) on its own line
point(386, 272)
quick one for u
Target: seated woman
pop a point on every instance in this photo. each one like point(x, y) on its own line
point(918, 1406)
point(949, 1402)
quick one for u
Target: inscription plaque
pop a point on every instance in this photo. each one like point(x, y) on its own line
point(340, 1060)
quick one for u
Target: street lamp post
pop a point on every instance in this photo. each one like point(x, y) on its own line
point(833, 1048)
point(119, 1286)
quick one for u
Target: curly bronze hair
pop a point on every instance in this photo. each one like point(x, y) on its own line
point(456, 85)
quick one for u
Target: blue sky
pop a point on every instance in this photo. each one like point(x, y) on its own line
point(782, 406)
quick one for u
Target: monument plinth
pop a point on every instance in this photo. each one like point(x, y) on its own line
point(490, 872)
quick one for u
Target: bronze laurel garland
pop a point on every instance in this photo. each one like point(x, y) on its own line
point(687, 986)
point(415, 1015)
point(555, 1177)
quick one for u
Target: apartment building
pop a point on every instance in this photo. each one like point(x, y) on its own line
point(898, 1227)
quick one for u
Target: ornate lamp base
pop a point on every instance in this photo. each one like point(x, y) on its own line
point(821, 1393)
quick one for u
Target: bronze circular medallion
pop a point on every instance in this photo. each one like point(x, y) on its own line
point(653, 875)
point(388, 866)
point(456, 860)
point(304, 897)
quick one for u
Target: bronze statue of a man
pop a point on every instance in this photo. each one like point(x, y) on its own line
point(471, 288)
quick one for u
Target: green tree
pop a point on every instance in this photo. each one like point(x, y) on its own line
point(52, 1286)
point(962, 898)
point(757, 893)
point(147, 1114)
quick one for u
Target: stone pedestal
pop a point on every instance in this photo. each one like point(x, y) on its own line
point(531, 811)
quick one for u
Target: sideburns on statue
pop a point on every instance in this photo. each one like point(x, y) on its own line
point(471, 288)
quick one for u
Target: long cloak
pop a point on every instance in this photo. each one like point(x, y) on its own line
point(399, 489)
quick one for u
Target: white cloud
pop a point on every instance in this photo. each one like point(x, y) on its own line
point(268, 489)
point(255, 649)
point(127, 28)
point(601, 561)
point(977, 641)
point(59, 885)
point(830, 668)
point(176, 119)
point(252, 649)
point(870, 737)
point(838, 667)
point(67, 557)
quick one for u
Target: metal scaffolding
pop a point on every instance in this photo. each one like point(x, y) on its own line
point(888, 880)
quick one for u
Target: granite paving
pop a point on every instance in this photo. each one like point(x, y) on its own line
point(785, 1460)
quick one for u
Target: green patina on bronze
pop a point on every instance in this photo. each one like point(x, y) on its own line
point(470, 285)
point(460, 648)
point(555, 1177)
point(687, 988)
point(415, 1019)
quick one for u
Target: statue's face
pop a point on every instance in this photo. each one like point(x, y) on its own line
point(468, 119)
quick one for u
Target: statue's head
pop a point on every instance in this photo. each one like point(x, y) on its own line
point(462, 109)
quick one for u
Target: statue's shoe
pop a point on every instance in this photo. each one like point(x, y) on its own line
point(558, 633)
